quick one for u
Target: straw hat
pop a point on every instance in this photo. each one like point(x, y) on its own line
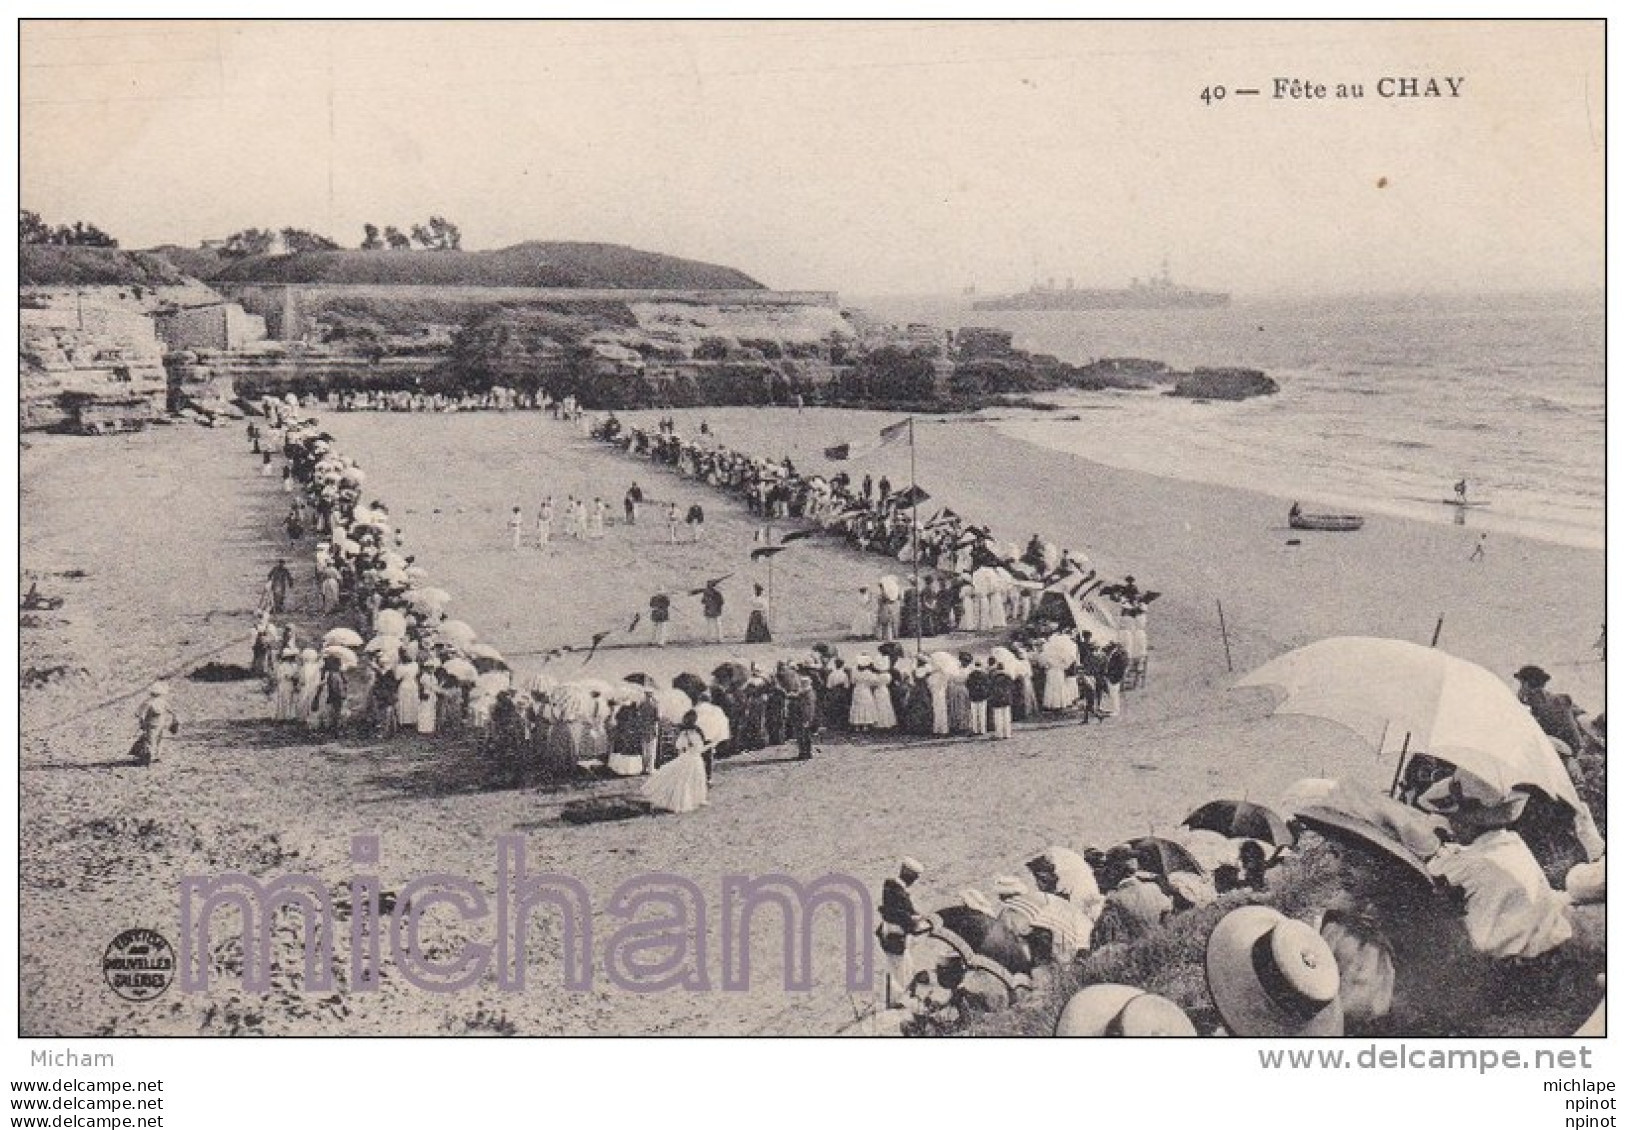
point(909, 863)
point(976, 900)
point(1532, 675)
point(158, 689)
point(1272, 976)
point(1121, 1010)
point(1008, 886)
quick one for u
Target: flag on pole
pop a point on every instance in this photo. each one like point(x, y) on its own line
point(891, 433)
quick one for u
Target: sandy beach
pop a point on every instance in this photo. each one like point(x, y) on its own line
point(173, 531)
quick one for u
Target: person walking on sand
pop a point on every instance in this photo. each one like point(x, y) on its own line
point(1461, 491)
point(660, 617)
point(278, 581)
point(595, 518)
point(634, 499)
point(516, 527)
point(330, 698)
point(757, 630)
point(673, 520)
point(696, 522)
point(156, 718)
point(1478, 550)
point(711, 604)
point(544, 522)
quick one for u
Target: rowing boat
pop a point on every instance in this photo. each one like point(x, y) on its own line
point(1325, 521)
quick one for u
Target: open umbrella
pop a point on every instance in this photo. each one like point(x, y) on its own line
point(713, 723)
point(1241, 819)
point(690, 684)
point(975, 934)
point(1164, 856)
point(428, 598)
point(461, 670)
point(384, 645)
point(457, 631)
point(672, 705)
point(1452, 709)
point(482, 651)
point(343, 637)
point(390, 622)
point(344, 655)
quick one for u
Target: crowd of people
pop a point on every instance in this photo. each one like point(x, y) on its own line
point(1517, 864)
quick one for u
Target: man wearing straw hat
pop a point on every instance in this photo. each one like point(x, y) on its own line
point(156, 718)
point(899, 921)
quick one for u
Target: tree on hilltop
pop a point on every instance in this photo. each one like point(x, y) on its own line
point(298, 240)
point(397, 239)
point(373, 241)
point(439, 234)
point(249, 241)
point(32, 229)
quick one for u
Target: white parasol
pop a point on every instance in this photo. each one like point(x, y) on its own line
point(390, 622)
point(713, 723)
point(1452, 709)
point(343, 637)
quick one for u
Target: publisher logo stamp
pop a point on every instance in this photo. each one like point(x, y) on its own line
point(139, 965)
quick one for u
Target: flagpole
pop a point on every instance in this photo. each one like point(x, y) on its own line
point(914, 528)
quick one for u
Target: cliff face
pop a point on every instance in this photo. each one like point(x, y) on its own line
point(87, 343)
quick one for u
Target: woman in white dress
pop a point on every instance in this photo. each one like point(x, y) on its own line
point(287, 686)
point(863, 620)
point(885, 712)
point(406, 694)
point(679, 785)
point(310, 681)
point(862, 715)
point(428, 688)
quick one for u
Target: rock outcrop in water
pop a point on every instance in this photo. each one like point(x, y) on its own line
point(1223, 384)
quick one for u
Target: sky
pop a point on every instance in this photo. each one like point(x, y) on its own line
point(864, 157)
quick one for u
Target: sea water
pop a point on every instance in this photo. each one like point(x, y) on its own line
point(1384, 402)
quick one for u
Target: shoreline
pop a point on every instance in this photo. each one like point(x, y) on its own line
point(1040, 430)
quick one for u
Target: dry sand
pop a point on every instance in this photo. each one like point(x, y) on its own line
point(174, 531)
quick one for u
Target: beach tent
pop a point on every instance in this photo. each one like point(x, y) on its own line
point(1061, 607)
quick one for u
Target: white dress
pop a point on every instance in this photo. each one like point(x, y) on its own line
point(885, 715)
point(679, 785)
point(863, 620)
point(406, 694)
point(862, 712)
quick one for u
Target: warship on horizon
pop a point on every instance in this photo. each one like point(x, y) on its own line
point(1159, 293)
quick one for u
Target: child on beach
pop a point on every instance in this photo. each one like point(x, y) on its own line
point(544, 522)
point(516, 527)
